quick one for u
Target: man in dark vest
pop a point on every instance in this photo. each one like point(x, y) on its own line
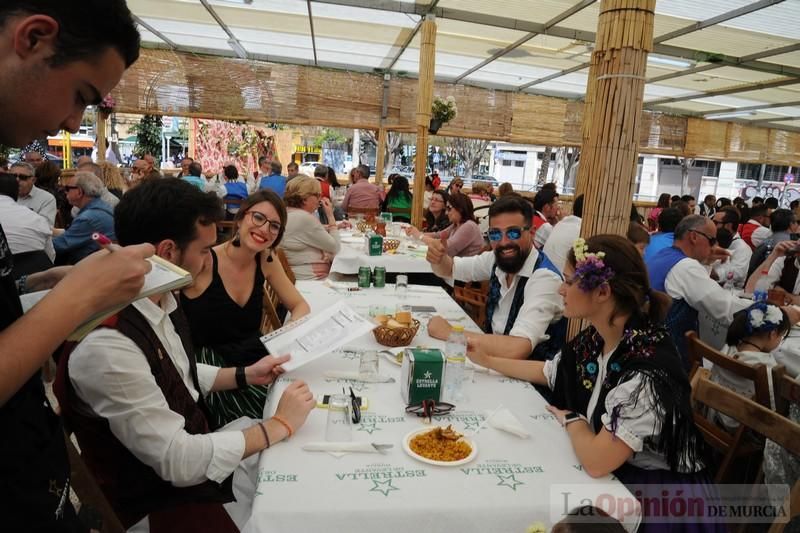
point(523, 311)
point(680, 271)
point(133, 393)
point(56, 58)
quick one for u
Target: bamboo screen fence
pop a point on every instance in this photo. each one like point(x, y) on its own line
point(173, 83)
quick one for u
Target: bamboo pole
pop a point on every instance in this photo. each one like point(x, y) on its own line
point(427, 65)
point(612, 117)
point(101, 137)
point(381, 156)
point(192, 138)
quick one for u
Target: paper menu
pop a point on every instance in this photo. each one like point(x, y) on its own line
point(163, 277)
point(313, 336)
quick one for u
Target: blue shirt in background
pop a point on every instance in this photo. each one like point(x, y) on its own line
point(197, 181)
point(658, 241)
point(275, 182)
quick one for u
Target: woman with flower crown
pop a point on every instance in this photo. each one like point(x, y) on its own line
point(619, 388)
point(753, 334)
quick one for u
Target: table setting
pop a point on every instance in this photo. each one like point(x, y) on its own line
point(366, 460)
point(400, 253)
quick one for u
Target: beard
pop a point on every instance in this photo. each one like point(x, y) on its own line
point(511, 264)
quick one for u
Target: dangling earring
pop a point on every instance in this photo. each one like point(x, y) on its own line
point(236, 241)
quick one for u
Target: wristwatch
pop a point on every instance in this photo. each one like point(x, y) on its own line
point(569, 418)
point(241, 378)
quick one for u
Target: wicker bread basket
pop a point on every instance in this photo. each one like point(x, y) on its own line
point(395, 337)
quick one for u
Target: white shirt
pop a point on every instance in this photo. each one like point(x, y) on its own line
point(542, 234)
point(212, 185)
point(111, 374)
point(689, 280)
point(42, 202)
point(542, 303)
point(775, 272)
point(738, 263)
point(25, 230)
point(760, 235)
point(561, 239)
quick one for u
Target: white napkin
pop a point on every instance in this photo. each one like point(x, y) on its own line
point(341, 447)
point(505, 420)
point(355, 376)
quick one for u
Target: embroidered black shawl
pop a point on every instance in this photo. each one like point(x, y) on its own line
point(644, 349)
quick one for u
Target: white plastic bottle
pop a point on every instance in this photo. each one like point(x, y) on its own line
point(729, 285)
point(456, 353)
point(762, 288)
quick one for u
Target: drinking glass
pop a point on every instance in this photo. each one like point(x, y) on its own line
point(401, 286)
point(339, 427)
point(368, 365)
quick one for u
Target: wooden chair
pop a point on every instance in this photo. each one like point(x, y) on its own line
point(755, 417)
point(786, 390)
point(365, 211)
point(226, 228)
point(473, 301)
point(270, 320)
point(699, 350)
point(404, 212)
point(286, 266)
point(89, 492)
point(736, 445)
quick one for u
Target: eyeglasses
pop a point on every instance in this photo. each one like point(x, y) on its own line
point(67, 188)
point(356, 407)
point(429, 408)
point(259, 219)
point(22, 177)
point(513, 233)
point(711, 240)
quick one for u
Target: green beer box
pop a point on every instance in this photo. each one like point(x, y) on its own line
point(373, 244)
point(422, 375)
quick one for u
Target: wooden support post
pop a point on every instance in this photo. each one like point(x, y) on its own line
point(381, 156)
point(427, 65)
point(101, 137)
point(612, 117)
point(193, 138)
point(67, 150)
point(610, 150)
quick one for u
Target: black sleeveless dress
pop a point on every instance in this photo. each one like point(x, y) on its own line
point(226, 334)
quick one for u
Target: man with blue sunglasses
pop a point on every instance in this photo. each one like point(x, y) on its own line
point(523, 311)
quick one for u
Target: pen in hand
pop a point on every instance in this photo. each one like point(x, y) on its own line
point(104, 242)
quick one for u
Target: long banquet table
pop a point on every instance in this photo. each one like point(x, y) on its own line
point(511, 484)
point(352, 255)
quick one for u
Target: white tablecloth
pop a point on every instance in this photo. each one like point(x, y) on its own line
point(353, 255)
point(511, 484)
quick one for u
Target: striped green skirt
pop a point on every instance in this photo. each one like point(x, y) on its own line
point(227, 406)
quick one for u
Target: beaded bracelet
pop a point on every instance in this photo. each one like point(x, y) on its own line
point(266, 437)
point(284, 423)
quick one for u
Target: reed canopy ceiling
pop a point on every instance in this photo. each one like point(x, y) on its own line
point(724, 76)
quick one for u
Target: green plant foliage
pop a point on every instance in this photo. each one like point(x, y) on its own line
point(444, 109)
point(148, 136)
point(329, 136)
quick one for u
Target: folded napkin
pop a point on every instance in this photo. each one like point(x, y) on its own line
point(355, 376)
point(505, 420)
point(342, 447)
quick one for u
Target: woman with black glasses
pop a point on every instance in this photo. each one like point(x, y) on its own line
point(463, 236)
point(224, 304)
